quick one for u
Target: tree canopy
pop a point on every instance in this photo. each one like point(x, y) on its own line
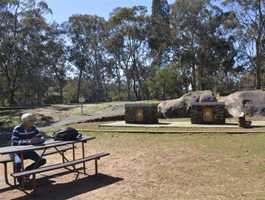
point(133, 55)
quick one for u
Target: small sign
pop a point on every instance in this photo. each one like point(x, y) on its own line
point(82, 100)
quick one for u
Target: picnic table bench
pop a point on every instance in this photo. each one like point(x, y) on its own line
point(5, 161)
point(59, 147)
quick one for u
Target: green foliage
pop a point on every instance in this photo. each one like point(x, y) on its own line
point(70, 92)
point(159, 34)
point(188, 45)
point(128, 48)
point(165, 83)
point(87, 52)
point(203, 41)
point(25, 51)
point(250, 34)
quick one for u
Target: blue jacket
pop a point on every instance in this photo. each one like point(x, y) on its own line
point(23, 136)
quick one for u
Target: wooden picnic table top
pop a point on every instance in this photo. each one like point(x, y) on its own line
point(47, 144)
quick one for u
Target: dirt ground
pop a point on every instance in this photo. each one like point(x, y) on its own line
point(166, 166)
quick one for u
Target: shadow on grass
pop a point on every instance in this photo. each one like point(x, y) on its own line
point(47, 190)
point(252, 126)
point(257, 126)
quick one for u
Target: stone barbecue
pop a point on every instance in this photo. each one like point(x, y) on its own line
point(141, 113)
point(208, 113)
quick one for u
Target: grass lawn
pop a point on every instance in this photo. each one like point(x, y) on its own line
point(159, 166)
point(170, 166)
point(199, 166)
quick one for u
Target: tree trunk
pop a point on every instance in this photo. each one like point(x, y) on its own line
point(193, 64)
point(119, 82)
point(12, 97)
point(194, 78)
point(258, 75)
point(200, 78)
point(11, 85)
point(258, 64)
point(128, 82)
point(157, 59)
point(259, 46)
point(61, 93)
point(38, 96)
point(164, 90)
point(202, 68)
point(79, 84)
point(136, 93)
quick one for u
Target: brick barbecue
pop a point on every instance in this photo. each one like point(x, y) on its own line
point(141, 113)
point(208, 113)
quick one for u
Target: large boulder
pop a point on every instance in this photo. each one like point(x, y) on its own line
point(181, 107)
point(251, 102)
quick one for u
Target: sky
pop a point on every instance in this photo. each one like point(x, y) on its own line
point(63, 9)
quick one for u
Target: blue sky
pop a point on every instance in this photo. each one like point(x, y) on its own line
point(62, 9)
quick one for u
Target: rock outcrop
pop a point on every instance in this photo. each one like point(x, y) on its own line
point(251, 102)
point(181, 107)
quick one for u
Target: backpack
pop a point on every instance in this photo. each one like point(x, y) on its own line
point(67, 134)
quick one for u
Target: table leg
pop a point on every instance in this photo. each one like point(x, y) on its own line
point(14, 170)
point(6, 176)
point(83, 154)
point(96, 166)
point(73, 151)
point(41, 156)
point(22, 169)
point(74, 156)
point(22, 161)
point(34, 182)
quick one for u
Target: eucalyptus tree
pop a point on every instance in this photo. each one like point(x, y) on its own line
point(35, 38)
point(56, 56)
point(23, 38)
point(250, 16)
point(128, 45)
point(159, 35)
point(88, 34)
point(8, 59)
point(202, 41)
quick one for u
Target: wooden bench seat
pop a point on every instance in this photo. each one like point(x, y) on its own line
point(62, 150)
point(33, 172)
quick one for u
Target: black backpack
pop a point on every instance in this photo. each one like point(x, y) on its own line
point(66, 134)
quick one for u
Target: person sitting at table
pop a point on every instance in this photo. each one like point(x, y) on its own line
point(27, 134)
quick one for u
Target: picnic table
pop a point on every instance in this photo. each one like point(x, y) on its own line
point(59, 147)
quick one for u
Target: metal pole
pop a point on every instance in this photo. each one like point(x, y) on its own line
point(82, 111)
